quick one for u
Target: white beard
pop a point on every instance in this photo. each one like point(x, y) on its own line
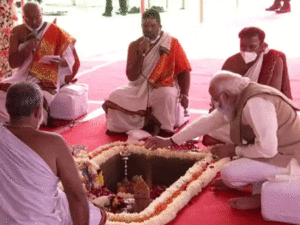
point(228, 111)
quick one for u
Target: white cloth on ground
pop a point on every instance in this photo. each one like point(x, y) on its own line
point(29, 188)
point(22, 74)
point(137, 135)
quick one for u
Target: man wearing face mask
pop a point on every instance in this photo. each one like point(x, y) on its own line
point(261, 64)
point(159, 75)
point(41, 53)
point(258, 62)
point(264, 133)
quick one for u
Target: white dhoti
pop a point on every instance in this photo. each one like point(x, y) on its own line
point(29, 188)
point(163, 102)
point(244, 172)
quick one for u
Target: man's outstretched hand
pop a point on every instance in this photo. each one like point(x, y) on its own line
point(223, 150)
point(157, 142)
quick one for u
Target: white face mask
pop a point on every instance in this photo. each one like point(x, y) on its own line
point(249, 56)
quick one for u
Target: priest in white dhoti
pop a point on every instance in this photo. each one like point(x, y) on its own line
point(42, 53)
point(159, 75)
point(32, 163)
point(264, 133)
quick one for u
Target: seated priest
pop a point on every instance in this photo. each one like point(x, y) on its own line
point(42, 53)
point(32, 163)
point(261, 64)
point(264, 133)
point(159, 77)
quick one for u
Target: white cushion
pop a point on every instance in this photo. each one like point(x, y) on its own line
point(70, 103)
point(280, 200)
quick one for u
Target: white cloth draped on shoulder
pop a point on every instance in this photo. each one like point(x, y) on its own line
point(29, 188)
point(134, 96)
point(137, 94)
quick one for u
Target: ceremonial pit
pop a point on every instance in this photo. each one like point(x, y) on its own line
point(171, 177)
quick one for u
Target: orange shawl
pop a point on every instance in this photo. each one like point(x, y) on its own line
point(54, 42)
point(169, 65)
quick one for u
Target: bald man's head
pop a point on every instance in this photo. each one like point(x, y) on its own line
point(32, 15)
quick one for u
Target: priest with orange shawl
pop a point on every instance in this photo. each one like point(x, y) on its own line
point(42, 53)
point(159, 80)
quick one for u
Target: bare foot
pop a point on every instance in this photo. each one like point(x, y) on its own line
point(244, 203)
point(218, 184)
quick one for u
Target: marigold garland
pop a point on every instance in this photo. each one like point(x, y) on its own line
point(164, 208)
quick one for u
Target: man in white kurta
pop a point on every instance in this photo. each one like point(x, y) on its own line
point(28, 45)
point(264, 129)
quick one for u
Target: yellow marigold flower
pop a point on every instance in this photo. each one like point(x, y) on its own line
point(99, 179)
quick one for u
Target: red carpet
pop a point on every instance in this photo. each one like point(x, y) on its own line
point(209, 207)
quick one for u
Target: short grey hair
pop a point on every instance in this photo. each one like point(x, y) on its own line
point(22, 99)
point(230, 82)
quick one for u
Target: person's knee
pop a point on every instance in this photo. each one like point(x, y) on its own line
point(163, 95)
point(225, 174)
point(228, 175)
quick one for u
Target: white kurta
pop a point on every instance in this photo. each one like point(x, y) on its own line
point(259, 114)
point(22, 74)
point(137, 95)
point(253, 72)
point(29, 189)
